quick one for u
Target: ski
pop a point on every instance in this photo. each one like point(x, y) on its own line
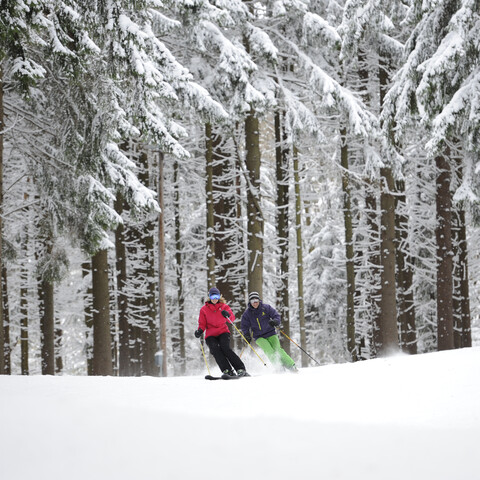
point(225, 377)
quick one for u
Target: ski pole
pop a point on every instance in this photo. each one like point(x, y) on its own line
point(285, 335)
point(204, 357)
point(227, 316)
point(261, 359)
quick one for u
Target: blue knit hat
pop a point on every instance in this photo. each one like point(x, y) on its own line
point(213, 291)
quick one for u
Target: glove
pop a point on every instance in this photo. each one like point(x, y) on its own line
point(198, 333)
point(225, 314)
point(272, 323)
point(248, 338)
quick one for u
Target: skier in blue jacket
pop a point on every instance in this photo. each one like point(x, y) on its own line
point(261, 319)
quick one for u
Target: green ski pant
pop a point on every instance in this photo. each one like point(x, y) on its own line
point(275, 353)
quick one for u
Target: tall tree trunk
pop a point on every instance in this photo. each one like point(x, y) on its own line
point(349, 251)
point(88, 316)
point(47, 326)
point(102, 340)
point(282, 176)
point(254, 214)
point(210, 210)
point(373, 232)
point(46, 305)
point(406, 303)
point(122, 297)
point(224, 219)
point(298, 228)
point(161, 266)
point(2, 325)
point(464, 286)
point(6, 324)
point(58, 349)
point(147, 271)
point(388, 300)
point(388, 303)
point(178, 342)
point(444, 254)
point(24, 317)
point(461, 302)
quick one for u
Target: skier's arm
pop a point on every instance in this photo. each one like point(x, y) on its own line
point(274, 315)
point(202, 321)
point(230, 318)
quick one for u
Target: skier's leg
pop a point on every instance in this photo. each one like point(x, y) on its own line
point(286, 360)
point(264, 344)
point(215, 349)
point(233, 358)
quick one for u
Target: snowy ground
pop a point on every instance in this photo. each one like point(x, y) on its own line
point(415, 418)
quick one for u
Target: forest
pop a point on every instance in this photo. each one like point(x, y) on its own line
point(322, 153)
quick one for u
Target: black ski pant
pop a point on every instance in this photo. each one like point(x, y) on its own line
point(225, 357)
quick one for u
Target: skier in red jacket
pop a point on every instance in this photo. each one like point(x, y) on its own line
point(213, 322)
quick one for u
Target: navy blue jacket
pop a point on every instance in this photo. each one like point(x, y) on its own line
point(257, 319)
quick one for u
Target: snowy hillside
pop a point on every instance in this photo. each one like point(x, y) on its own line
point(414, 418)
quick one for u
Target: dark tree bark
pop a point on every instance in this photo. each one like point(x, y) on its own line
point(444, 254)
point(2, 325)
point(299, 242)
point(88, 316)
point(47, 326)
point(406, 303)
point(349, 250)
point(178, 339)
point(210, 209)
point(6, 324)
point(161, 265)
point(122, 297)
point(388, 303)
point(102, 340)
point(254, 214)
point(282, 177)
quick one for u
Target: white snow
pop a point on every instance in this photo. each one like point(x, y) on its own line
point(414, 418)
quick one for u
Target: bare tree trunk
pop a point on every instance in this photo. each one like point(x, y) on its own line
point(102, 340)
point(349, 251)
point(254, 214)
point(298, 228)
point(179, 340)
point(147, 272)
point(6, 324)
point(224, 219)
point(210, 210)
point(88, 316)
point(161, 266)
point(444, 254)
point(388, 303)
point(58, 350)
point(461, 303)
point(464, 286)
point(47, 327)
point(122, 297)
point(406, 303)
point(2, 325)
point(282, 176)
point(24, 315)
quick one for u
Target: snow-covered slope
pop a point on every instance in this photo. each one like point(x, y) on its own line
point(397, 418)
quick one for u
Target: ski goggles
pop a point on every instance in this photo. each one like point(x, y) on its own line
point(254, 300)
point(215, 296)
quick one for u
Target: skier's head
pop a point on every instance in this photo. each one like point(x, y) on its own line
point(254, 299)
point(214, 294)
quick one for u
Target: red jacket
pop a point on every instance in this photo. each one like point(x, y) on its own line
point(211, 320)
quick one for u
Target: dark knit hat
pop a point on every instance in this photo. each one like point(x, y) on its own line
point(213, 291)
point(253, 295)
